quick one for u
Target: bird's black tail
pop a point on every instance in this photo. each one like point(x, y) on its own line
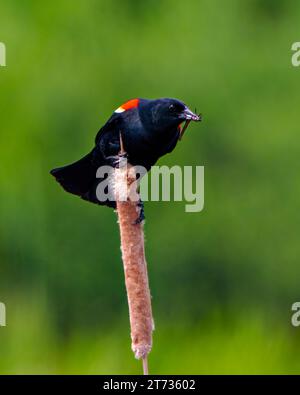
point(79, 178)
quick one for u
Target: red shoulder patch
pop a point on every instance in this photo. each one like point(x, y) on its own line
point(128, 105)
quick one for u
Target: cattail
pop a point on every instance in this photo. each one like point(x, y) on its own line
point(135, 266)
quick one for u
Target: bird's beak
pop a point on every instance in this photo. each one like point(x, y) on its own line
point(188, 116)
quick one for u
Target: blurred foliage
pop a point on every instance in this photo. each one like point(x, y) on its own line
point(222, 280)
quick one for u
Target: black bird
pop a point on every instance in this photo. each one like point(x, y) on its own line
point(149, 129)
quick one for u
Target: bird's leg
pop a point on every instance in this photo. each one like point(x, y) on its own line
point(117, 160)
point(141, 216)
point(120, 158)
point(123, 157)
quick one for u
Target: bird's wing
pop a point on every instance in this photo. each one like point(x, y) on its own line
point(108, 127)
point(108, 139)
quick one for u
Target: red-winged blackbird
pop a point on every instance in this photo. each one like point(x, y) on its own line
point(149, 129)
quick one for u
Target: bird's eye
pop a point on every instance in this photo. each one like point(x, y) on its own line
point(172, 107)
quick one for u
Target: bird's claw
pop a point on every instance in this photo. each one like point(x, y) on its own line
point(118, 161)
point(141, 216)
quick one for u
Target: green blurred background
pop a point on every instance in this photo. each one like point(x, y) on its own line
point(222, 280)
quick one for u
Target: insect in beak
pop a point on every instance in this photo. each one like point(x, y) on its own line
point(189, 116)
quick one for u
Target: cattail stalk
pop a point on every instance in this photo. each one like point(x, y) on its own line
point(135, 266)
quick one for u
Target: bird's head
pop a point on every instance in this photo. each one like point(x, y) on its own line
point(164, 114)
